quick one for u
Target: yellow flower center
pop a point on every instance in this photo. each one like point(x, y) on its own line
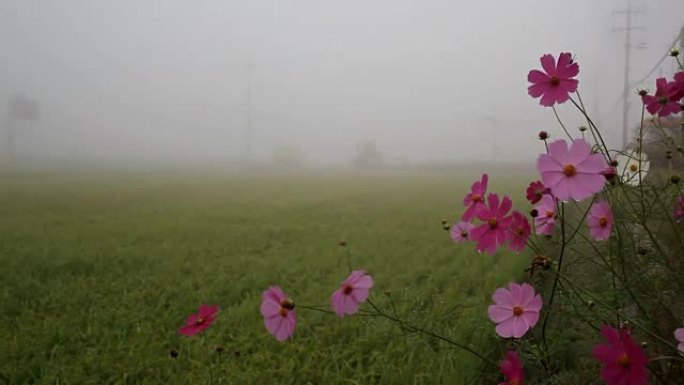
point(493, 223)
point(569, 170)
point(476, 198)
point(199, 321)
point(633, 168)
point(623, 360)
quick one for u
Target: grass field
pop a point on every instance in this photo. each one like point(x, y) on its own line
point(97, 274)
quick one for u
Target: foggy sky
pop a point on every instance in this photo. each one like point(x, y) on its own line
point(170, 80)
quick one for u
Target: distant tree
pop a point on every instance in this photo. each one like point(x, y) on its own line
point(368, 155)
point(288, 156)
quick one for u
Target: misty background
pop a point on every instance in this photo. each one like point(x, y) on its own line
point(163, 82)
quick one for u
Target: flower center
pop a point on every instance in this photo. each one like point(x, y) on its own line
point(554, 81)
point(476, 198)
point(517, 311)
point(514, 381)
point(569, 170)
point(633, 168)
point(603, 221)
point(464, 234)
point(199, 321)
point(623, 360)
point(520, 231)
point(283, 312)
point(549, 214)
point(493, 223)
point(347, 289)
point(287, 303)
point(663, 100)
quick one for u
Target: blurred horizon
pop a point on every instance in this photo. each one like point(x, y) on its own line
point(143, 84)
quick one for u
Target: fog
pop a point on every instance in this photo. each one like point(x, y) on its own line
point(217, 81)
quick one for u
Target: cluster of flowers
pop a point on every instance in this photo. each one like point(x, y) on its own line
point(571, 170)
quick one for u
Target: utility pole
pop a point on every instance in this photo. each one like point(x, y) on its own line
point(628, 47)
point(249, 130)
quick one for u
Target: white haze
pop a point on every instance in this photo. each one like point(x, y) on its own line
point(428, 80)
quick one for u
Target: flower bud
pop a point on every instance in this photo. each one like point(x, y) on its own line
point(614, 163)
point(590, 304)
point(543, 135)
point(342, 243)
point(644, 344)
point(674, 52)
point(668, 154)
point(219, 349)
point(387, 293)
point(582, 128)
point(173, 353)
point(643, 92)
point(534, 213)
point(675, 179)
point(642, 250)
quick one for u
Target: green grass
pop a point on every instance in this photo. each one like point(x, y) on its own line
point(97, 274)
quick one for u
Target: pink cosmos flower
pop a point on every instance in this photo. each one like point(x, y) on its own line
point(475, 198)
point(352, 293)
point(515, 310)
point(460, 232)
point(536, 190)
point(556, 82)
point(573, 173)
point(600, 221)
point(492, 234)
point(679, 335)
point(511, 367)
point(279, 313)
point(679, 208)
point(545, 222)
point(199, 322)
point(624, 361)
point(518, 232)
point(665, 101)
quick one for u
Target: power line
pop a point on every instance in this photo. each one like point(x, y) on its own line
point(662, 59)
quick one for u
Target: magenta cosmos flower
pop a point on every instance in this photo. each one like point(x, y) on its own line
point(624, 361)
point(555, 83)
point(679, 208)
point(197, 323)
point(679, 335)
point(545, 221)
point(679, 85)
point(279, 313)
point(536, 190)
point(352, 293)
point(518, 232)
point(475, 198)
point(492, 234)
point(511, 367)
point(460, 232)
point(515, 310)
point(600, 221)
point(572, 173)
point(665, 101)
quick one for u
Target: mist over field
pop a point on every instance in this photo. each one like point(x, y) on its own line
point(158, 83)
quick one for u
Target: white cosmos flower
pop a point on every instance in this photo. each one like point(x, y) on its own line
point(631, 166)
